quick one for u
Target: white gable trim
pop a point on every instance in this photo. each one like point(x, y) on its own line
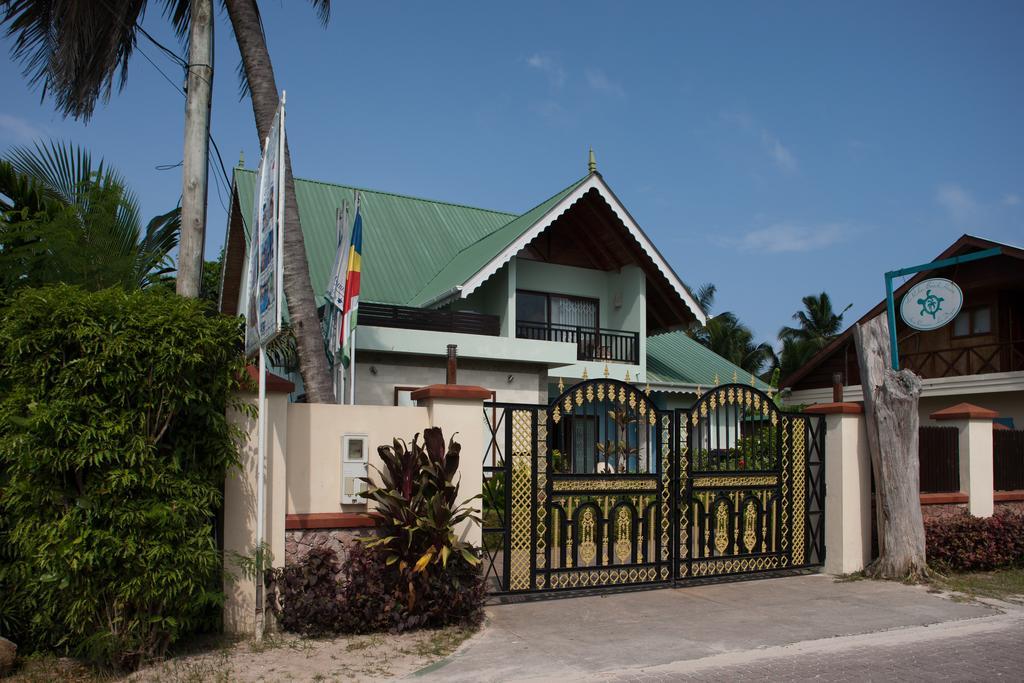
point(594, 182)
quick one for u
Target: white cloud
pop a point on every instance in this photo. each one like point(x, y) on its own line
point(600, 82)
point(18, 129)
point(957, 201)
point(779, 153)
point(788, 237)
point(552, 69)
point(771, 144)
point(1011, 199)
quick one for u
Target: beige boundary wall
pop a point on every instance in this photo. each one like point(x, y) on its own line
point(848, 521)
point(304, 480)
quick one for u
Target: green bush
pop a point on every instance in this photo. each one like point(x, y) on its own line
point(113, 450)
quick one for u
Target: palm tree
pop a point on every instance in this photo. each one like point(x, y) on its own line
point(818, 323)
point(705, 295)
point(76, 49)
point(728, 337)
point(68, 220)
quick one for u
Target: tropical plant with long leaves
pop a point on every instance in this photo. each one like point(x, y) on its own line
point(416, 506)
point(72, 219)
point(77, 50)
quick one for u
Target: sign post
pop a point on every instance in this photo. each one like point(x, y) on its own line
point(929, 304)
point(265, 296)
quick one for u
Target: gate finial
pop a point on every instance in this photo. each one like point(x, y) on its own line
point(716, 380)
point(628, 378)
point(699, 392)
point(606, 371)
point(585, 375)
point(735, 377)
point(561, 385)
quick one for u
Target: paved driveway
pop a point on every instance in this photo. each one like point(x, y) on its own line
point(754, 629)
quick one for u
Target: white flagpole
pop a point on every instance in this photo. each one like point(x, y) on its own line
point(352, 370)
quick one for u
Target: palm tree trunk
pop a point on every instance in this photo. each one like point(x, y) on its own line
point(298, 289)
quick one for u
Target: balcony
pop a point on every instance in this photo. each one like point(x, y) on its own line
point(591, 344)
point(427, 319)
point(971, 360)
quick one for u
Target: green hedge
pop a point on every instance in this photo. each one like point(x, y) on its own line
point(113, 449)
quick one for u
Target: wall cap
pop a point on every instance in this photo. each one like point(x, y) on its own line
point(835, 409)
point(275, 383)
point(328, 520)
point(952, 497)
point(964, 411)
point(460, 391)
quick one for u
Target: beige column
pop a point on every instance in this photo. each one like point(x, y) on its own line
point(240, 501)
point(975, 426)
point(458, 411)
point(847, 488)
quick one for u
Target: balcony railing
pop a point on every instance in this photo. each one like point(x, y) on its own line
point(591, 344)
point(970, 360)
point(407, 317)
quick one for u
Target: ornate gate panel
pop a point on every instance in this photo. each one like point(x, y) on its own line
point(601, 488)
point(751, 486)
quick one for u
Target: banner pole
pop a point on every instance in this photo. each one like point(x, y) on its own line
point(261, 475)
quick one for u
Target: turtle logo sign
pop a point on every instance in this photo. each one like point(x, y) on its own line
point(930, 304)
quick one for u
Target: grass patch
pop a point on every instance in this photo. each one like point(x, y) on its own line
point(1003, 584)
point(443, 642)
point(47, 668)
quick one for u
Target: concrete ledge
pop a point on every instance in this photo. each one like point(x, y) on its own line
point(964, 411)
point(275, 383)
point(328, 520)
point(462, 391)
point(944, 498)
point(1007, 496)
point(835, 409)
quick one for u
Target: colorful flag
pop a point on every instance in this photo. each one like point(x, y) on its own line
point(335, 294)
point(352, 275)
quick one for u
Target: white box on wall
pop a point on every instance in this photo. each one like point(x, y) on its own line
point(354, 466)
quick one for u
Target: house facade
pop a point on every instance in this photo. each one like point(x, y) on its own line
point(977, 358)
point(569, 289)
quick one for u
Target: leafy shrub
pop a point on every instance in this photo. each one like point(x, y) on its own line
point(113, 448)
point(416, 573)
point(963, 542)
point(310, 591)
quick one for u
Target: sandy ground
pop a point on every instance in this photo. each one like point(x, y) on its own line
point(281, 658)
point(290, 658)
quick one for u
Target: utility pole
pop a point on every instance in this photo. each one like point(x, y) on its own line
point(199, 90)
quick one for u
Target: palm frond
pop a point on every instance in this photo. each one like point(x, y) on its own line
point(73, 50)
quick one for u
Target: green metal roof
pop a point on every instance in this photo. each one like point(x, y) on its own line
point(471, 259)
point(675, 358)
point(408, 240)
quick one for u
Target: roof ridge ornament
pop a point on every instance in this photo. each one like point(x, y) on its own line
point(592, 162)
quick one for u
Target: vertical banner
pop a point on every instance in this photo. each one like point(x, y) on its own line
point(264, 276)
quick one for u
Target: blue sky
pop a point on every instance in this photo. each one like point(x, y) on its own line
point(775, 149)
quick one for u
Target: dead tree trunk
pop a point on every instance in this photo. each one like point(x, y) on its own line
point(890, 408)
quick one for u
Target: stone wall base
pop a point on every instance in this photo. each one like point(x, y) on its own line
point(298, 542)
point(935, 512)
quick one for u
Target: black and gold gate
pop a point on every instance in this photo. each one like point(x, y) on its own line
point(601, 488)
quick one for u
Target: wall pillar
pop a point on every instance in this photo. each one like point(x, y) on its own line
point(847, 488)
point(240, 500)
point(458, 411)
point(976, 477)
